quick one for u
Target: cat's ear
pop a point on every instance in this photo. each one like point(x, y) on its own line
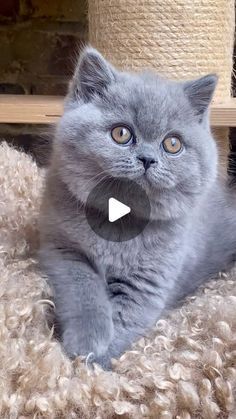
point(92, 76)
point(200, 92)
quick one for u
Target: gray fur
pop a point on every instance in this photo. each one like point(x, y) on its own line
point(107, 294)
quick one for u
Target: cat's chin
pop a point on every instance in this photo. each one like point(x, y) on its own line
point(148, 183)
point(154, 183)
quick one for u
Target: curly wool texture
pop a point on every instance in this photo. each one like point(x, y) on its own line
point(185, 368)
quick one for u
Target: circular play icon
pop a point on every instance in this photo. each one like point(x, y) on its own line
point(117, 209)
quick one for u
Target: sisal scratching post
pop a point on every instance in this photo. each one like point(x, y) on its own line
point(181, 39)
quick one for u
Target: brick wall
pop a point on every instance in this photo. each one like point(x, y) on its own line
point(38, 40)
point(38, 43)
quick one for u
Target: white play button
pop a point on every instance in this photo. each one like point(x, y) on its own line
point(116, 210)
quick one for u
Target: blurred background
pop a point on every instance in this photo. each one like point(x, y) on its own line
point(39, 40)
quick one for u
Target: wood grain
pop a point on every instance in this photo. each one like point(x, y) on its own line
point(36, 109)
point(30, 109)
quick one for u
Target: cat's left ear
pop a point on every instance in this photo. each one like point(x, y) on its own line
point(92, 76)
point(200, 92)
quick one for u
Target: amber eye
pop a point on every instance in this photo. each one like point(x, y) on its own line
point(172, 145)
point(122, 135)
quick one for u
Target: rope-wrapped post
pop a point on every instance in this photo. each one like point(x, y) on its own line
point(181, 39)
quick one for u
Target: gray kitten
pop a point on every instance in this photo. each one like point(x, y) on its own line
point(108, 294)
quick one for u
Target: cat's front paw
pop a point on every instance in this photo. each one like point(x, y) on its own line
point(85, 338)
point(104, 361)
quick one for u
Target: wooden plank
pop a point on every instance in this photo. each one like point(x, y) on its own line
point(30, 109)
point(36, 109)
point(224, 115)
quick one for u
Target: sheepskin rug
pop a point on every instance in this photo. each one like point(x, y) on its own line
point(185, 368)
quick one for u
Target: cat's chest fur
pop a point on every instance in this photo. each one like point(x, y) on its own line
point(152, 253)
point(148, 255)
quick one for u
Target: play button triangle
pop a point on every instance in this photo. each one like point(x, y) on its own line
point(116, 210)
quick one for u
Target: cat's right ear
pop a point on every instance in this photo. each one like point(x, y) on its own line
point(92, 76)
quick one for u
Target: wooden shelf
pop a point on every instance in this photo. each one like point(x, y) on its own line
point(30, 109)
point(224, 115)
point(35, 109)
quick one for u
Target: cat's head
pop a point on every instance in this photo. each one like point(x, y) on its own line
point(137, 126)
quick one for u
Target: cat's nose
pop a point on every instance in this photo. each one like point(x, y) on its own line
point(147, 161)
